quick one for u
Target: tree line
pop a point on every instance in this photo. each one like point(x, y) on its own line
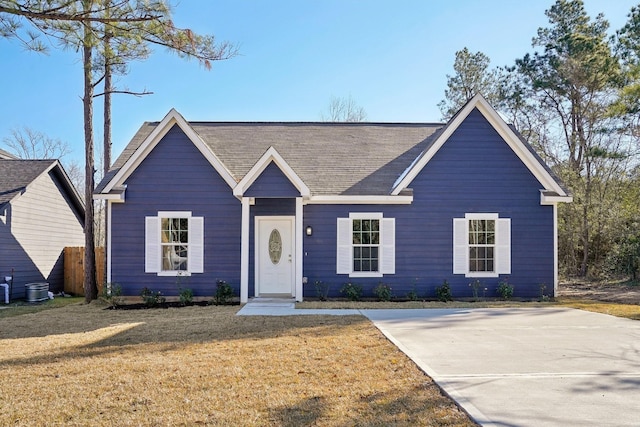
point(109, 34)
point(576, 99)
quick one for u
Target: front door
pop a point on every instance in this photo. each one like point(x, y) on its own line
point(275, 256)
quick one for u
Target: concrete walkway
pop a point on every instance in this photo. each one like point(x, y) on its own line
point(515, 366)
point(286, 307)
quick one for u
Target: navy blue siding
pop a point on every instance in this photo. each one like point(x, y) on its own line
point(272, 183)
point(475, 171)
point(176, 177)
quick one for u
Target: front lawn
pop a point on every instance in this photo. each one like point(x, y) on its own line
point(83, 365)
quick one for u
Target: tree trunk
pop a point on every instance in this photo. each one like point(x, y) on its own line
point(107, 133)
point(107, 103)
point(90, 286)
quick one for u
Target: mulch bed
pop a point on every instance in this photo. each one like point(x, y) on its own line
point(169, 304)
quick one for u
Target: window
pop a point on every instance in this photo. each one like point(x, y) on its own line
point(174, 233)
point(174, 244)
point(481, 245)
point(365, 245)
point(482, 241)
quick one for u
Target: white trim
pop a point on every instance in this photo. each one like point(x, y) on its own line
point(552, 199)
point(174, 214)
point(114, 197)
point(244, 251)
point(365, 215)
point(481, 274)
point(108, 240)
point(481, 216)
point(365, 274)
point(507, 134)
point(359, 200)
point(172, 118)
point(271, 155)
point(555, 250)
point(298, 230)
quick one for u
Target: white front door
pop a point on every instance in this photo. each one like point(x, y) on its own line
point(275, 263)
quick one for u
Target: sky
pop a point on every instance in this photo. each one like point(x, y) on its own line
point(391, 57)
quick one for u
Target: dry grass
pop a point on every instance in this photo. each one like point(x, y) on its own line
point(82, 365)
point(629, 311)
point(18, 308)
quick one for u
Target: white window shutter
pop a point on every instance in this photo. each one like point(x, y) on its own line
point(152, 252)
point(196, 244)
point(460, 246)
point(388, 243)
point(344, 251)
point(503, 246)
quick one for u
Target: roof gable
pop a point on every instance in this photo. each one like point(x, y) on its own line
point(271, 156)
point(16, 175)
point(118, 176)
point(519, 147)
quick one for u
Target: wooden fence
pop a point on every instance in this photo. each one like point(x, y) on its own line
point(74, 269)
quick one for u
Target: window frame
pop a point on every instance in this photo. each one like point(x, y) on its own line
point(154, 262)
point(163, 245)
point(385, 245)
point(501, 246)
point(366, 217)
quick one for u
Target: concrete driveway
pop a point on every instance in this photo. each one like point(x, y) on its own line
point(526, 366)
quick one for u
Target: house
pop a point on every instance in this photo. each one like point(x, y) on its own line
point(271, 208)
point(40, 213)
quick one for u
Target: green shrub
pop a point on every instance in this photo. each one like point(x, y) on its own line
point(151, 298)
point(383, 292)
point(224, 293)
point(475, 287)
point(443, 292)
point(352, 291)
point(543, 297)
point(186, 296)
point(505, 290)
point(322, 290)
point(412, 295)
point(112, 294)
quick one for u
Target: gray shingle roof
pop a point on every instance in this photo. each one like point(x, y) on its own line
point(16, 175)
point(331, 158)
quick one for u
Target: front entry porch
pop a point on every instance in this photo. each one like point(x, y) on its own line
point(275, 241)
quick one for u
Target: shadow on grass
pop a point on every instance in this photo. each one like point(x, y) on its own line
point(306, 412)
point(88, 330)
